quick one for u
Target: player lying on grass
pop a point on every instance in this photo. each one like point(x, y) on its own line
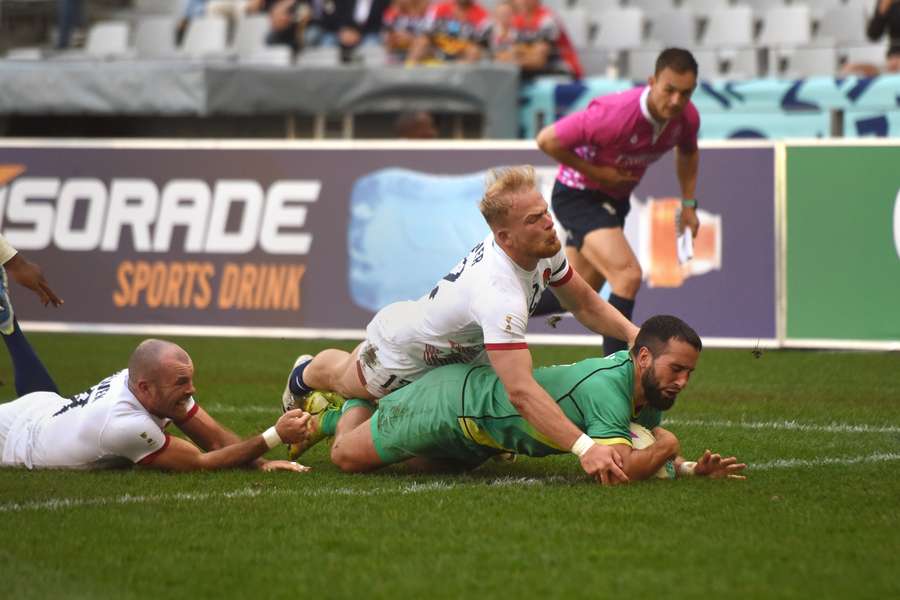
point(478, 314)
point(122, 421)
point(458, 416)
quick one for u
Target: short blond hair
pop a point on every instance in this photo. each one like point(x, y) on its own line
point(501, 185)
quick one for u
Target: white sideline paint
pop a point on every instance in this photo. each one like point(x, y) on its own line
point(54, 504)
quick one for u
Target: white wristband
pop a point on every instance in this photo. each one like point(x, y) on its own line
point(686, 468)
point(272, 438)
point(582, 445)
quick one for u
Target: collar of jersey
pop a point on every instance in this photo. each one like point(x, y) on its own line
point(658, 127)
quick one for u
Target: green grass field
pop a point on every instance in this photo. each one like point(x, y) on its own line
point(818, 516)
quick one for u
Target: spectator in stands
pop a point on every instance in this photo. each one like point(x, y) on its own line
point(541, 44)
point(885, 16)
point(416, 125)
point(345, 23)
point(403, 21)
point(194, 9)
point(288, 20)
point(501, 37)
point(454, 31)
point(69, 16)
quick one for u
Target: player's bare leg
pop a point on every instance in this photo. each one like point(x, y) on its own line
point(353, 450)
point(336, 370)
point(593, 276)
point(610, 253)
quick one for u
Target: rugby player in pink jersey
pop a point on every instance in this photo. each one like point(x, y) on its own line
point(603, 152)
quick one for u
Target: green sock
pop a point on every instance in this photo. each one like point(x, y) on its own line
point(328, 421)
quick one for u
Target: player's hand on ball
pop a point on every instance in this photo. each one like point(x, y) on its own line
point(604, 464)
point(715, 467)
point(291, 426)
point(284, 465)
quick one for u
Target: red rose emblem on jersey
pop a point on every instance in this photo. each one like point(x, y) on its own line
point(546, 276)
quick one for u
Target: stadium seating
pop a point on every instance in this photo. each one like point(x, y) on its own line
point(870, 53)
point(154, 38)
point(729, 28)
point(786, 26)
point(575, 21)
point(649, 6)
point(619, 29)
point(250, 42)
point(808, 61)
point(735, 38)
point(594, 6)
point(844, 25)
point(673, 28)
point(704, 7)
point(206, 38)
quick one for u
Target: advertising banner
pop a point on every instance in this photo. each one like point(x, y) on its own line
point(843, 243)
point(312, 240)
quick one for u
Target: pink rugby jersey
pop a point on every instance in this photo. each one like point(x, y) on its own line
point(618, 131)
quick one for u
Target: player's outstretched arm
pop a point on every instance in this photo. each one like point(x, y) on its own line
point(642, 464)
point(594, 312)
point(513, 367)
point(180, 455)
point(208, 433)
point(711, 465)
point(30, 275)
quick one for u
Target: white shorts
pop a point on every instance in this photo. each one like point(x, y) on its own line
point(382, 369)
point(394, 354)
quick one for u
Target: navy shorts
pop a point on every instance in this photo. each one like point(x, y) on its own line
point(582, 211)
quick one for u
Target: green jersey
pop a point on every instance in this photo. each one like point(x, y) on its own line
point(595, 394)
point(463, 412)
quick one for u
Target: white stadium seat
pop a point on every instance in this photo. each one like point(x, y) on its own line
point(730, 27)
point(844, 25)
point(250, 42)
point(619, 29)
point(811, 61)
point(787, 26)
point(154, 37)
point(673, 28)
point(594, 6)
point(575, 21)
point(107, 39)
point(704, 7)
point(206, 37)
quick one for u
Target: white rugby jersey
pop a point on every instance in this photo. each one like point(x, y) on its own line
point(104, 426)
point(482, 304)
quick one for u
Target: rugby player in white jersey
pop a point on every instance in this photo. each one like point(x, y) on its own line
point(122, 421)
point(478, 313)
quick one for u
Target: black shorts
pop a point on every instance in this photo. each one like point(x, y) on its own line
point(582, 211)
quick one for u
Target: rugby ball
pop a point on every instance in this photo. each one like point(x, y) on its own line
point(642, 438)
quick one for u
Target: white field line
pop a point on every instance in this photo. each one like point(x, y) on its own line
point(54, 504)
point(722, 424)
point(787, 425)
point(793, 463)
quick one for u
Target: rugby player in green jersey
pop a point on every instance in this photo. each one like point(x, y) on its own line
point(460, 415)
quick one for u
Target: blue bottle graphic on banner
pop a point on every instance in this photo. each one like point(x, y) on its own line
point(407, 229)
